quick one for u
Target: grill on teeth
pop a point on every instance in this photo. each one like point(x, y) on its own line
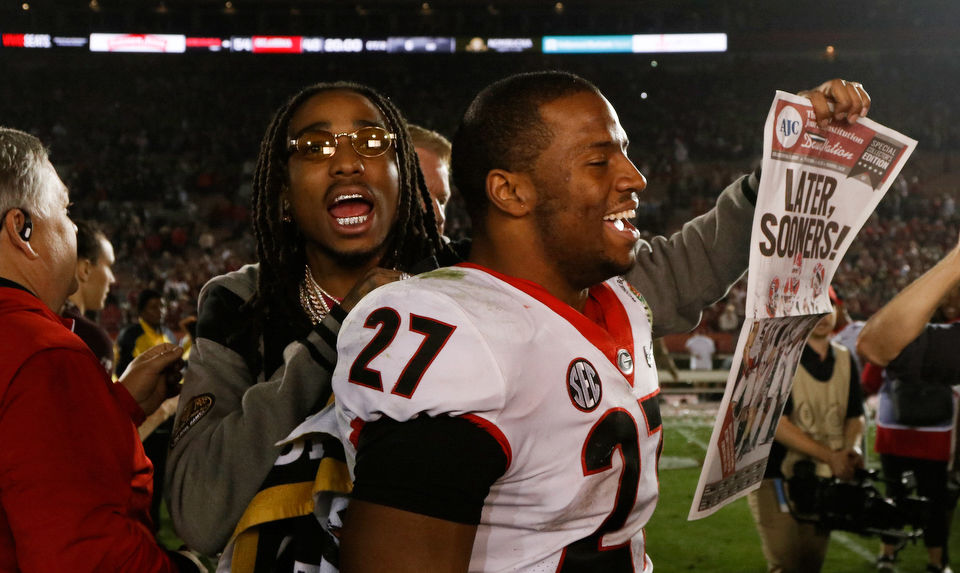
point(351, 220)
point(347, 197)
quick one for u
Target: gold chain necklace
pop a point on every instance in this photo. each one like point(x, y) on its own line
point(313, 297)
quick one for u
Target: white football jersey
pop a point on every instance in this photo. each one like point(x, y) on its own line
point(574, 407)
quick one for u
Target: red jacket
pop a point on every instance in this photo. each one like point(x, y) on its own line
point(75, 485)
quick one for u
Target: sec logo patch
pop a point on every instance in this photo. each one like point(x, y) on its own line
point(583, 385)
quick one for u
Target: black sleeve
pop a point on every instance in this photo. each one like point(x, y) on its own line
point(442, 467)
point(855, 398)
point(220, 319)
point(749, 186)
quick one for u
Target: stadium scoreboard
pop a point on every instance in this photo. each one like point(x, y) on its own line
point(179, 43)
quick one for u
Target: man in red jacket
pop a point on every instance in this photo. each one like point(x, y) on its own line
point(75, 486)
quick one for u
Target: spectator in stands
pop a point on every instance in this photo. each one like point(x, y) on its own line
point(337, 194)
point(701, 348)
point(826, 382)
point(728, 320)
point(74, 483)
point(433, 152)
point(94, 275)
point(916, 411)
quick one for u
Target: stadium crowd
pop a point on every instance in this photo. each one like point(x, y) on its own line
point(179, 146)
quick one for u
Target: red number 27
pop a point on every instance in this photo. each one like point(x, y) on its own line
point(435, 335)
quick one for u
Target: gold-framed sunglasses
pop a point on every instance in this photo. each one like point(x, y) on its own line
point(318, 144)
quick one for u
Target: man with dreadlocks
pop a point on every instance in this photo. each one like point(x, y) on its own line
point(338, 200)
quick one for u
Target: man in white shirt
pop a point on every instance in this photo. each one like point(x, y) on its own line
point(701, 348)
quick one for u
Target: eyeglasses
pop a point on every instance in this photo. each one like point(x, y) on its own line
point(319, 145)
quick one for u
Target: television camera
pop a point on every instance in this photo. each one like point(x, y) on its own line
point(857, 506)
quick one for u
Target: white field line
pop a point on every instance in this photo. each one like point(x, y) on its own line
point(857, 547)
point(690, 437)
point(689, 422)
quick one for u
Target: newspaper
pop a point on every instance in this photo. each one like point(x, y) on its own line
point(818, 187)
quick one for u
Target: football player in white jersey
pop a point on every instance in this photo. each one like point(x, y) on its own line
point(501, 414)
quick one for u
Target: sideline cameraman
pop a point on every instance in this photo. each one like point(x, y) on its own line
point(916, 353)
point(825, 384)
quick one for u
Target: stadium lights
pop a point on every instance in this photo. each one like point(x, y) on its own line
point(636, 44)
point(830, 53)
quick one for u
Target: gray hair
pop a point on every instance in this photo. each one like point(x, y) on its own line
point(23, 181)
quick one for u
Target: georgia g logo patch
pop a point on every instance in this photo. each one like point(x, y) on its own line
point(583, 385)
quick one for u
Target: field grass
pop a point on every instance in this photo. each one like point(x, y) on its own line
point(727, 541)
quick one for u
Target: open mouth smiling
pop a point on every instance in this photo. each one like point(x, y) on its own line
point(620, 219)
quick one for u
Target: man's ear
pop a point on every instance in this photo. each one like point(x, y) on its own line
point(84, 266)
point(510, 192)
point(13, 225)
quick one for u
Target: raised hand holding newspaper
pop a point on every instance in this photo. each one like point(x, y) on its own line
point(818, 187)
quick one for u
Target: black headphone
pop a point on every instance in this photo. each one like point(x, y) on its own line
point(27, 231)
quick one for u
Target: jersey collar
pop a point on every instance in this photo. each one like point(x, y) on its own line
point(618, 334)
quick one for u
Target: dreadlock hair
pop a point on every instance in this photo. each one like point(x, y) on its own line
point(280, 247)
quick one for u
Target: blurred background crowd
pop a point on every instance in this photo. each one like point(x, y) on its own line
point(160, 148)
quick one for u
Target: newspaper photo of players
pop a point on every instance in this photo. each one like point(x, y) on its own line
point(819, 185)
point(771, 347)
point(770, 354)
